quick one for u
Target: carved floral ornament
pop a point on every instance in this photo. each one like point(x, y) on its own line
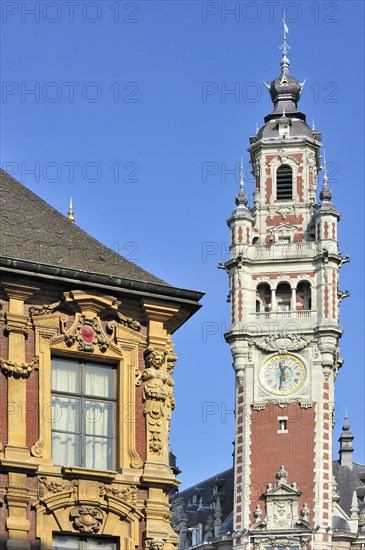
point(125, 493)
point(18, 370)
point(87, 519)
point(54, 486)
point(282, 342)
point(49, 486)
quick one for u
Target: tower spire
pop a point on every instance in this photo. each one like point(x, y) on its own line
point(71, 216)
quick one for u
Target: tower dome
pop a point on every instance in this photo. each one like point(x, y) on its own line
point(285, 90)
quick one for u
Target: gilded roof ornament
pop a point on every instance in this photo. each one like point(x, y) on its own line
point(71, 216)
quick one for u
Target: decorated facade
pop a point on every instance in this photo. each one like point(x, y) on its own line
point(86, 384)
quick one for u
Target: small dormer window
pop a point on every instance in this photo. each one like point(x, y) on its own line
point(195, 499)
point(284, 183)
point(215, 489)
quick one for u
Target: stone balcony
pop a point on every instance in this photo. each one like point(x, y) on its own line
point(292, 314)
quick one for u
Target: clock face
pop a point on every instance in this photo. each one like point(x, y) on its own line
point(282, 374)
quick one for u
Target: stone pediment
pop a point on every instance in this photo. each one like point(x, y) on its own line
point(284, 490)
point(284, 231)
point(283, 227)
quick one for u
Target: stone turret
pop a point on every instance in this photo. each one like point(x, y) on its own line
point(346, 448)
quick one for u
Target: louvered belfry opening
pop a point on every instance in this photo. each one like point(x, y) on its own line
point(284, 183)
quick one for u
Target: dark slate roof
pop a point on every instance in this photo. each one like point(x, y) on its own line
point(32, 230)
point(298, 128)
point(348, 481)
point(206, 497)
point(340, 524)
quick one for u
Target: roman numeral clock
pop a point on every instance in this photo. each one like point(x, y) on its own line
point(282, 374)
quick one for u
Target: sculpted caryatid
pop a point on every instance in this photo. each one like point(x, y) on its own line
point(157, 395)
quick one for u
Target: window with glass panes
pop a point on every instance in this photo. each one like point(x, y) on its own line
point(60, 542)
point(83, 414)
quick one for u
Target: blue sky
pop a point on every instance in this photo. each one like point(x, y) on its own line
point(118, 118)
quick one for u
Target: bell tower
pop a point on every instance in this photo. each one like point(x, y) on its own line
point(283, 271)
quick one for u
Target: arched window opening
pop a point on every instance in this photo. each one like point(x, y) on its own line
point(283, 297)
point(263, 298)
point(284, 183)
point(304, 299)
point(255, 240)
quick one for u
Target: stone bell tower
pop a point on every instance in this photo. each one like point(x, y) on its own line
point(283, 270)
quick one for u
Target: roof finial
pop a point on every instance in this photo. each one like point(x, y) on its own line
point(71, 216)
point(242, 183)
point(257, 127)
point(326, 193)
point(242, 198)
point(285, 47)
point(325, 178)
point(313, 125)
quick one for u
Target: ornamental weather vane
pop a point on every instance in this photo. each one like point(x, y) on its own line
point(284, 46)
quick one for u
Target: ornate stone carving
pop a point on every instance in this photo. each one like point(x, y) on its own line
point(263, 543)
point(154, 358)
point(124, 493)
point(335, 495)
point(45, 309)
point(37, 448)
point(282, 514)
point(128, 322)
point(258, 512)
point(305, 404)
point(87, 333)
point(281, 475)
point(305, 512)
point(87, 519)
point(16, 323)
point(282, 504)
point(156, 544)
point(282, 342)
point(284, 211)
point(258, 406)
point(157, 396)
point(55, 486)
point(18, 370)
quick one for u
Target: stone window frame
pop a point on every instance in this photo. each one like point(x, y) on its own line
point(124, 356)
